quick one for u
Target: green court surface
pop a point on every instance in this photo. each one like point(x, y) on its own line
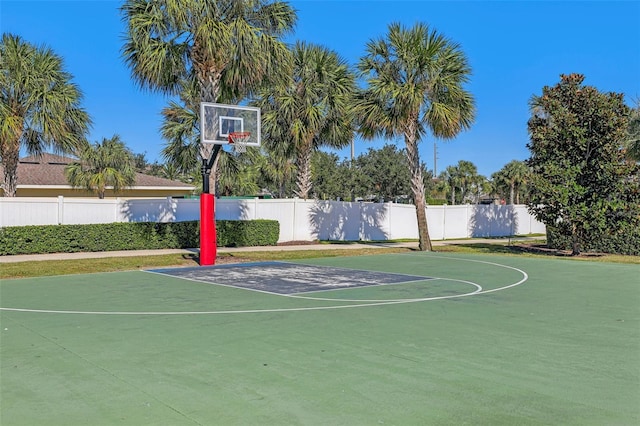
point(437, 339)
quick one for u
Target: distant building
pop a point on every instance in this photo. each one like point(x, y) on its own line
point(43, 176)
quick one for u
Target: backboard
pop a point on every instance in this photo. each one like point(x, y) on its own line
point(217, 121)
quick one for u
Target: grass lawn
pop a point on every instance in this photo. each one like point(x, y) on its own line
point(112, 264)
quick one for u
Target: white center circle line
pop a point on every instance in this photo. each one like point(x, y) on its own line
point(478, 291)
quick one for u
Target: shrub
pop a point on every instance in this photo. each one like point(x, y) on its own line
point(239, 233)
point(132, 236)
point(622, 239)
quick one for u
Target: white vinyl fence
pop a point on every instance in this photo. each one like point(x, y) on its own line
point(304, 220)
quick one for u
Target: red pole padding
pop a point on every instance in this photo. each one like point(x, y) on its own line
point(208, 247)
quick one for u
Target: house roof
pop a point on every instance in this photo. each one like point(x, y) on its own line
point(48, 170)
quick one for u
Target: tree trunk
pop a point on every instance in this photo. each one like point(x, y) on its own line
point(10, 158)
point(213, 177)
point(417, 186)
point(575, 241)
point(209, 83)
point(304, 171)
point(512, 191)
point(423, 229)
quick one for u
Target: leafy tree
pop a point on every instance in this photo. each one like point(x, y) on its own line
point(157, 169)
point(353, 180)
point(415, 84)
point(386, 173)
point(339, 179)
point(100, 165)
point(633, 134)
point(142, 165)
point(325, 174)
point(39, 106)
point(581, 181)
point(312, 108)
point(213, 50)
point(376, 175)
point(140, 162)
point(513, 176)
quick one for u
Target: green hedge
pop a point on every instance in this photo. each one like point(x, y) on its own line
point(132, 236)
point(240, 233)
point(623, 239)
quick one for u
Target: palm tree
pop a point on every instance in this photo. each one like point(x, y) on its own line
point(446, 184)
point(171, 172)
point(102, 165)
point(468, 179)
point(415, 78)
point(450, 181)
point(464, 178)
point(180, 130)
point(519, 174)
point(277, 166)
point(513, 175)
point(313, 108)
point(224, 48)
point(39, 106)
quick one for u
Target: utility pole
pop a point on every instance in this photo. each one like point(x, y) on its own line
point(435, 160)
point(352, 151)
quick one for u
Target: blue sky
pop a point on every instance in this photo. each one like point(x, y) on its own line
point(515, 48)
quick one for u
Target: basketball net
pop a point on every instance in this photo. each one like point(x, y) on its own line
point(239, 141)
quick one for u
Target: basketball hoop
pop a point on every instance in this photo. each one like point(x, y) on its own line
point(239, 141)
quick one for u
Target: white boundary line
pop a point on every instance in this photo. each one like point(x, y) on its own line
point(193, 280)
point(330, 290)
point(524, 278)
point(295, 296)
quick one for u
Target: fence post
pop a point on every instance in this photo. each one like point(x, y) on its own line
point(495, 211)
point(60, 210)
point(444, 222)
point(467, 232)
point(255, 208)
point(530, 223)
point(294, 222)
point(387, 209)
point(360, 223)
point(118, 210)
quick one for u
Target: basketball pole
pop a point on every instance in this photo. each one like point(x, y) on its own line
point(208, 245)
